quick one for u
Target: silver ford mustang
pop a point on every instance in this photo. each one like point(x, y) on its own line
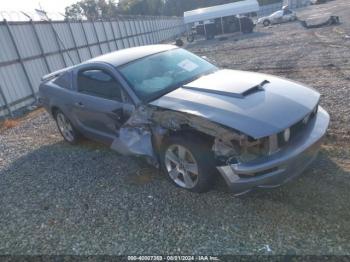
point(188, 117)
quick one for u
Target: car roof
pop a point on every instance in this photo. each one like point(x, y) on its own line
point(127, 55)
point(117, 58)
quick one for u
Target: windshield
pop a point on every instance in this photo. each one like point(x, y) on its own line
point(158, 74)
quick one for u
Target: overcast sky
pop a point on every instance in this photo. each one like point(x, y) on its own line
point(30, 5)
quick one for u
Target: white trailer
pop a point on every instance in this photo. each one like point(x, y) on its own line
point(218, 11)
point(207, 14)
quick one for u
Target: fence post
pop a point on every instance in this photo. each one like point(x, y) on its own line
point(120, 31)
point(86, 40)
point(105, 33)
point(139, 28)
point(20, 60)
point(144, 31)
point(151, 29)
point(114, 36)
point(240, 25)
point(58, 43)
point(5, 101)
point(98, 40)
point(163, 29)
point(127, 36)
point(154, 29)
point(133, 19)
point(40, 46)
point(74, 41)
point(158, 28)
point(131, 32)
point(222, 26)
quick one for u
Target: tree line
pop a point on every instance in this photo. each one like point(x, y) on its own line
point(102, 9)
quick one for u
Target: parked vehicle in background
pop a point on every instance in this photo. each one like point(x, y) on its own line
point(317, 2)
point(278, 17)
point(221, 19)
point(189, 117)
point(230, 24)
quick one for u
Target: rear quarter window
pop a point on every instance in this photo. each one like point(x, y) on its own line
point(64, 80)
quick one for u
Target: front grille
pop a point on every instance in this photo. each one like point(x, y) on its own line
point(296, 129)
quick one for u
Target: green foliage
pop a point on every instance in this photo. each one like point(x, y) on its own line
point(141, 7)
point(92, 9)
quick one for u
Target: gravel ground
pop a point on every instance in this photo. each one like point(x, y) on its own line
point(60, 199)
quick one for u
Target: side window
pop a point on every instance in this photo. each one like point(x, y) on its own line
point(287, 12)
point(99, 83)
point(64, 80)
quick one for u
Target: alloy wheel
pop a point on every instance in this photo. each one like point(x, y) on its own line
point(65, 127)
point(181, 166)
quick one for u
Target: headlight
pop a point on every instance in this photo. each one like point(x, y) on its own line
point(306, 119)
point(286, 135)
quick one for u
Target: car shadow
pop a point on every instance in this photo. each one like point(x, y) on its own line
point(227, 37)
point(77, 189)
point(94, 162)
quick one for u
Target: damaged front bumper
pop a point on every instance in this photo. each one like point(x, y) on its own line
point(274, 170)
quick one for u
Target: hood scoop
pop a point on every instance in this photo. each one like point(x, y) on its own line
point(249, 91)
point(257, 88)
point(228, 83)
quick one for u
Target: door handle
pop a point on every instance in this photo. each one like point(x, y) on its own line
point(79, 104)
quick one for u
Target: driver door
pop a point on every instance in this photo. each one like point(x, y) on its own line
point(277, 17)
point(287, 15)
point(99, 105)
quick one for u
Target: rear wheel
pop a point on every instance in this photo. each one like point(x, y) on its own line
point(67, 130)
point(188, 162)
point(209, 37)
point(190, 38)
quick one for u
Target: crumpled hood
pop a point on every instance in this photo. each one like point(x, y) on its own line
point(256, 104)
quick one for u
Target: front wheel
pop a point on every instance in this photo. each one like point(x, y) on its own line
point(188, 162)
point(266, 23)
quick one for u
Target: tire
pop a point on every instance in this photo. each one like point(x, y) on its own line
point(248, 30)
point(233, 27)
point(190, 38)
point(66, 128)
point(209, 37)
point(266, 23)
point(192, 169)
point(247, 25)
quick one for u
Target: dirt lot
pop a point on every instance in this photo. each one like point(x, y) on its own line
point(59, 199)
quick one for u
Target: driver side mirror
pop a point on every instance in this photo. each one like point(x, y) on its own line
point(128, 109)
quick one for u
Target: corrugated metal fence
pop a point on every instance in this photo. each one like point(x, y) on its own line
point(29, 50)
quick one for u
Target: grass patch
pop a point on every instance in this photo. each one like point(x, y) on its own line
point(8, 123)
